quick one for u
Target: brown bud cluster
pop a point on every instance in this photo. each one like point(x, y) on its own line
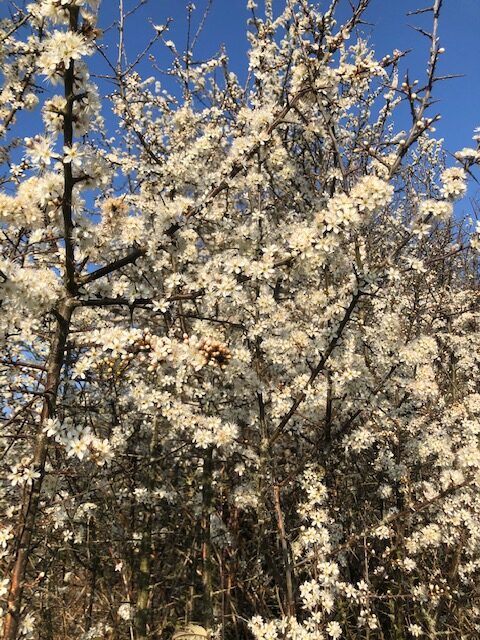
point(113, 210)
point(214, 352)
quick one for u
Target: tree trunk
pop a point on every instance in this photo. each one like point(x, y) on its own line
point(207, 578)
point(32, 497)
point(143, 571)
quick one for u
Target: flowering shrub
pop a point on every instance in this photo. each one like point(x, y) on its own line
point(240, 340)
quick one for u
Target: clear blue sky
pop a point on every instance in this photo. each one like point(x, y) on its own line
point(459, 99)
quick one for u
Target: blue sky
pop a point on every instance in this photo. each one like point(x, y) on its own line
point(388, 29)
point(459, 99)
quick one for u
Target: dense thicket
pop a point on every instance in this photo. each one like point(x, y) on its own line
point(240, 337)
